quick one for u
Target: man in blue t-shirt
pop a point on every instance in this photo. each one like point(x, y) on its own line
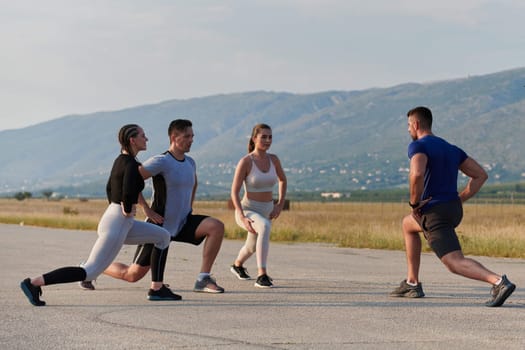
point(437, 208)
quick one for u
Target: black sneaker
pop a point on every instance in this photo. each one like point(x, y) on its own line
point(264, 281)
point(408, 291)
point(164, 293)
point(501, 292)
point(32, 293)
point(240, 272)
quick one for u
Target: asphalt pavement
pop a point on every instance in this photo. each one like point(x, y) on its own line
point(324, 298)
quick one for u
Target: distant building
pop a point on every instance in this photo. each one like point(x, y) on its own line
point(333, 195)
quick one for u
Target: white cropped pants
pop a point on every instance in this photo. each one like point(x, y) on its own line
point(114, 230)
point(259, 213)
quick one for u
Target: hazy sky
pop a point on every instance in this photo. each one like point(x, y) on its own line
point(82, 56)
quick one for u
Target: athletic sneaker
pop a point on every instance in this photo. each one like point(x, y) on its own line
point(408, 291)
point(87, 285)
point(164, 293)
point(240, 272)
point(207, 285)
point(264, 281)
point(501, 292)
point(32, 293)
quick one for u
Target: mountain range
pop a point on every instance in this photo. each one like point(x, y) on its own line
point(332, 141)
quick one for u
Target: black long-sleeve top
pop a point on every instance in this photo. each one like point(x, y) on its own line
point(125, 182)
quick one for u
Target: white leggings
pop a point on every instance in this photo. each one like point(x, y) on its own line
point(258, 212)
point(114, 230)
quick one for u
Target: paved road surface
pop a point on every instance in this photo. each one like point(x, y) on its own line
point(325, 298)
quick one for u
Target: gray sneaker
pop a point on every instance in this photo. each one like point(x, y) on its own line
point(207, 285)
point(408, 291)
point(501, 292)
point(87, 285)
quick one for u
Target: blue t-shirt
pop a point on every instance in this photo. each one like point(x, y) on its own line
point(174, 192)
point(441, 174)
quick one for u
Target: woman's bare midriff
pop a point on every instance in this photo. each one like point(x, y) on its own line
point(260, 196)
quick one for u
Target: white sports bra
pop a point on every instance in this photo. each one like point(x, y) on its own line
point(258, 181)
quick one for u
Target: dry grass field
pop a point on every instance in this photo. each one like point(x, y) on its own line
point(487, 229)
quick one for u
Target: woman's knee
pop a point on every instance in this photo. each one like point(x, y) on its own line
point(164, 241)
point(251, 243)
point(267, 226)
point(262, 226)
point(92, 272)
point(250, 248)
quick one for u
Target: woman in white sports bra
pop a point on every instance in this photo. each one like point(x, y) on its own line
point(259, 171)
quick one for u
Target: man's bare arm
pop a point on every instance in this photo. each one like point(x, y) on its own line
point(418, 165)
point(477, 176)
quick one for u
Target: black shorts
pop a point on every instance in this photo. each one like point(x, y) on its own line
point(439, 223)
point(186, 235)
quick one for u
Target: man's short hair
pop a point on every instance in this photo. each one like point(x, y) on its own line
point(179, 125)
point(423, 115)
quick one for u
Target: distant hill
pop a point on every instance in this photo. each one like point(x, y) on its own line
point(328, 141)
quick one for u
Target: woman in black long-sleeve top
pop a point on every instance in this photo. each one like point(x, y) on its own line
point(116, 227)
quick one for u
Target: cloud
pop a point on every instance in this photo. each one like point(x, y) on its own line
point(83, 56)
point(464, 12)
